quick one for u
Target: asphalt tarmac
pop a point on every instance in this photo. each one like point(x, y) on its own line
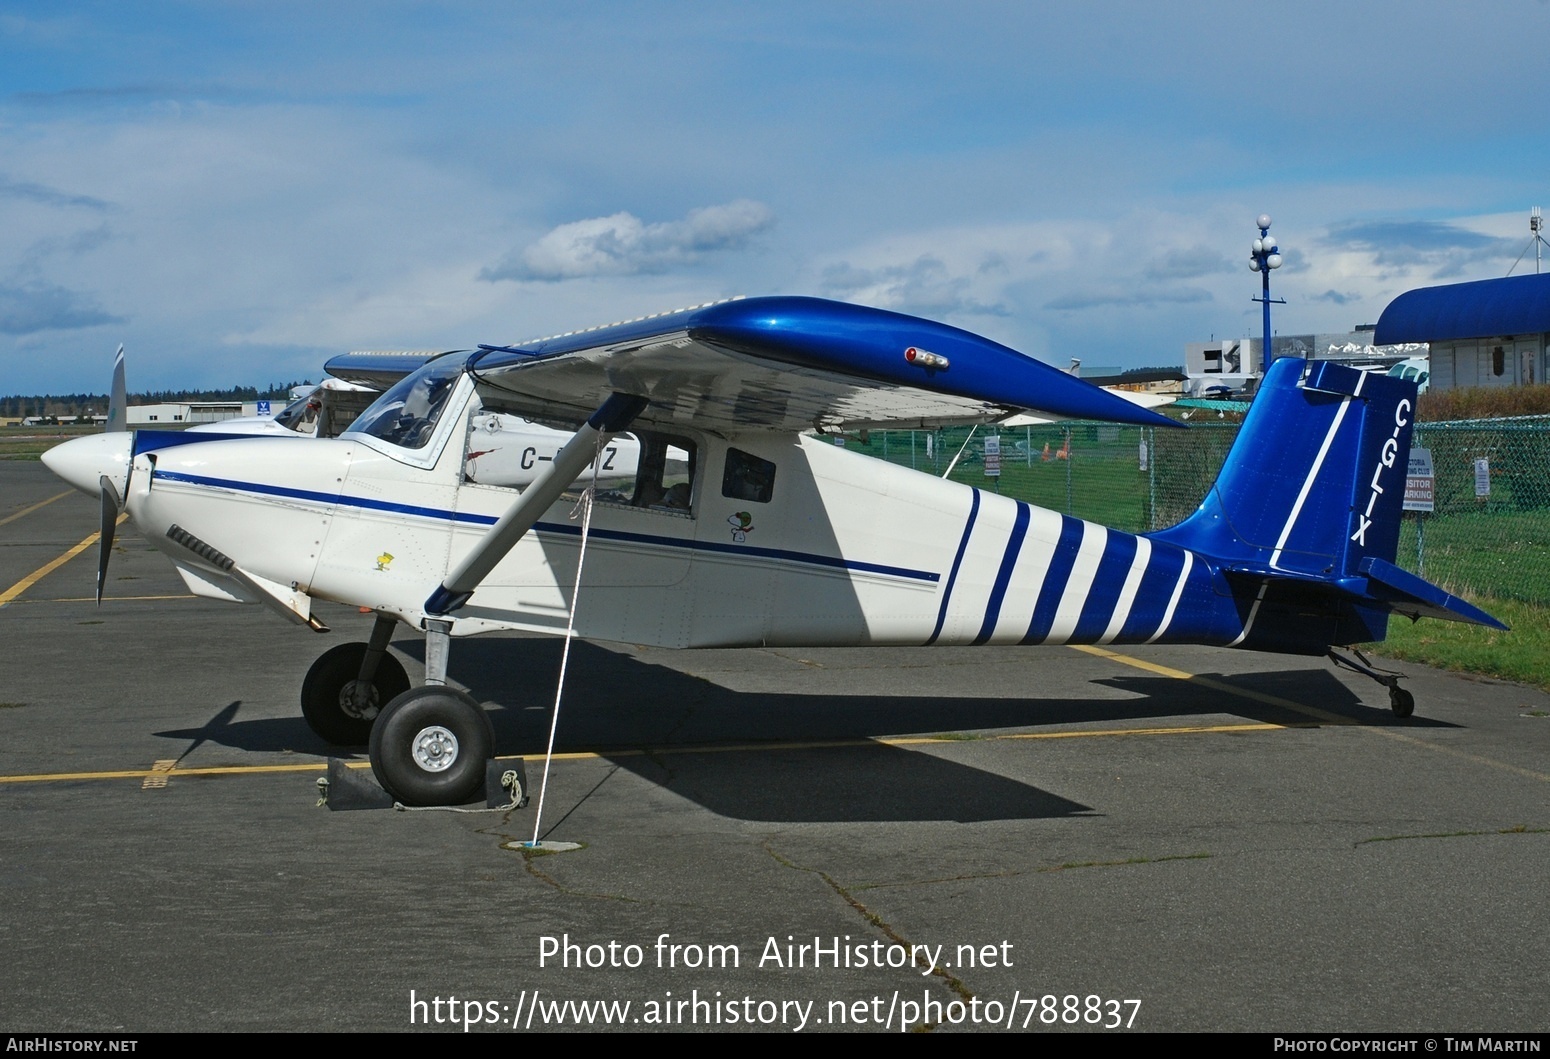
point(1047, 839)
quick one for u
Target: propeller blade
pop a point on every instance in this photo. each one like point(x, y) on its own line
point(118, 402)
point(111, 505)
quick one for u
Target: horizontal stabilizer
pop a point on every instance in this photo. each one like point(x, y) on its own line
point(1405, 593)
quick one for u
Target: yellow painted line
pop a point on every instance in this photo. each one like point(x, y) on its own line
point(1464, 754)
point(105, 599)
point(160, 773)
point(1216, 685)
point(43, 571)
point(39, 574)
point(1264, 726)
point(60, 777)
point(142, 774)
point(1275, 700)
point(29, 510)
point(897, 741)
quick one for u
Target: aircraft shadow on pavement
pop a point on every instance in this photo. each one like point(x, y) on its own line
point(712, 745)
point(615, 700)
point(1321, 693)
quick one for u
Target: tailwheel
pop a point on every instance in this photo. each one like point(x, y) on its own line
point(1400, 700)
point(339, 706)
point(429, 747)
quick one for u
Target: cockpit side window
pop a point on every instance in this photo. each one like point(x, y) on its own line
point(407, 414)
point(665, 476)
point(648, 471)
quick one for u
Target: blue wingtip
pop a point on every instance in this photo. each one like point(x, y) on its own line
point(872, 343)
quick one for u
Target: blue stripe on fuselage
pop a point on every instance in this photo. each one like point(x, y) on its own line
point(1162, 574)
point(558, 529)
point(1118, 553)
point(1014, 545)
point(952, 576)
point(1066, 549)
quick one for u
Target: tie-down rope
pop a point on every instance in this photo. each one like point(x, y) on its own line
point(584, 507)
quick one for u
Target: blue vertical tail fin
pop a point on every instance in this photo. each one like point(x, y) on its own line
point(1315, 480)
point(1313, 490)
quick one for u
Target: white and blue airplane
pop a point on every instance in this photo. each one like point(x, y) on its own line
point(758, 532)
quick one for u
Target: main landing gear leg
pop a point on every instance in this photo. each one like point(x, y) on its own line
point(438, 643)
point(429, 745)
point(1400, 700)
point(376, 647)
point(349, 684)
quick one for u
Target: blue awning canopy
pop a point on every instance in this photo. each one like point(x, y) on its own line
point(1517, 305)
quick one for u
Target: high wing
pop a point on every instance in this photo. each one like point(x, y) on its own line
point(380, 368)
point(787, 364)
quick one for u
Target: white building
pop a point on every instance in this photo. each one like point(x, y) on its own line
point(176, 416)
point(1238, 363)
point(1491, 332)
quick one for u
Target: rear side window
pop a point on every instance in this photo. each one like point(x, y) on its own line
point(748, 477)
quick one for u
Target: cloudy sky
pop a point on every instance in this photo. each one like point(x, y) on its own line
point(237, 191)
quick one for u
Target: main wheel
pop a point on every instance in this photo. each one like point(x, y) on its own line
point(429, 747)
point(337, 705)
point(1401, 702)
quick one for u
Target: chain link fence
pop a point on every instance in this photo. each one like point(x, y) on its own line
point(1490, 532)
point(1489, 536)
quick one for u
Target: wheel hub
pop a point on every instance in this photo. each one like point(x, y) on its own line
point(358, 699)
point(434, 748)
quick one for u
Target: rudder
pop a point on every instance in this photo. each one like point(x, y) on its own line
point(1314, 483)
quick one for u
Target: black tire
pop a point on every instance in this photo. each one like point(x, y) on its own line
point(323, 703)
point(1401, 702)
point(429, 747)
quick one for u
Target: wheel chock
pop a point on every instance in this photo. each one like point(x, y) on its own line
point(349, 788)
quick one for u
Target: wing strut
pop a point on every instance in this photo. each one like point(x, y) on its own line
point(615, 414)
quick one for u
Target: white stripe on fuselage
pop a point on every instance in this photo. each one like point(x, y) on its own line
point(1127, 594)
point(1033, 563)
point(1095, 539)
point(977, 574)
point(1173, 603)
point(1253, 613)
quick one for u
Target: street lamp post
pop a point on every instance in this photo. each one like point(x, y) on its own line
point(1265, 255)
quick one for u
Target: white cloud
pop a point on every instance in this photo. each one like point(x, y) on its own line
point(924, 286)
point(622, 245)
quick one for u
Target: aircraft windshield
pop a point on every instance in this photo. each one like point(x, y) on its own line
point(301, 415)
point(406, 415)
